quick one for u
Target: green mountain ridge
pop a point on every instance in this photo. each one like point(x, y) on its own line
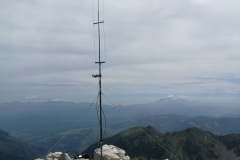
point(14, 148)
point(188, 144)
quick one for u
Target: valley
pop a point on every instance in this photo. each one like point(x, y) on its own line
point(44, 124)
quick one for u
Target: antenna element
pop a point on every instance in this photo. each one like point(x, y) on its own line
point(100, 83)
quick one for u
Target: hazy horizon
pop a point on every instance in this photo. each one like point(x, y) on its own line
point(107, 101)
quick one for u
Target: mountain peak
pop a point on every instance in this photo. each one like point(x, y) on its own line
point(172, 98)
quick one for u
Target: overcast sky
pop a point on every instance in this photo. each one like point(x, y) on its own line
point(152, 48)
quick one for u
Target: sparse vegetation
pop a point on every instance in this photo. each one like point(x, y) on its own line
point(188, 144)
point(138, 158)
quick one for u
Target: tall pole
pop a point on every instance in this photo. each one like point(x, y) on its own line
point(100, 83)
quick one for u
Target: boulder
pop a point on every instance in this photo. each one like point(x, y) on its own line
point(57, 156)
point(111, 152)
point(63, 156)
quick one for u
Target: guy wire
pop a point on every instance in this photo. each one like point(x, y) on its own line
point(105, 123)
point(97, 109)
point(141, 128)
point(69, 129)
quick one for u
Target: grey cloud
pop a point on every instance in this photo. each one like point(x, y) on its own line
point(151, 47)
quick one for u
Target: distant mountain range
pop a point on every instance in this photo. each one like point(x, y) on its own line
point(183, 107)
point(170, 123)
point(42, 124)
point(188, 144)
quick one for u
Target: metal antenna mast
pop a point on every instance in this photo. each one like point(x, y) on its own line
point(99, 76)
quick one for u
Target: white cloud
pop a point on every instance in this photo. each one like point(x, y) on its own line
point(57, 100)
point(32, 97)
